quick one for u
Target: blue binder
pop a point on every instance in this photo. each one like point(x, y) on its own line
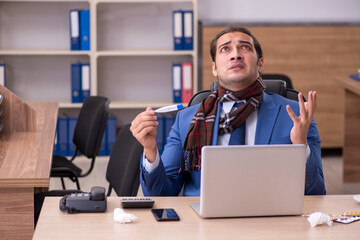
point(188, 30)
point(56, 141)
point(178, 29)
point(74, 30)
point(3, 74)
point(169, 121)
point(85, 81)
point(103, 147)
point(355, 76)
point(111, 137)
point(160, 135)
point(71, 127)
point(76, 83)
point(62, 135)
point(84, 30)
point(176, 82)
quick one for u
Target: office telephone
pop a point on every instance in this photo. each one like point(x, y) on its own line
point(95, 201)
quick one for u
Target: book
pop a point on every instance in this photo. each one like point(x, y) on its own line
point(178, 29)
point(187, 80)
point(176, 82)
point(102, 151)
point(74, 30)
point(188, 30)
point(160, 135)
point(56, 142)
point(169, 121)
point(71, 128)
point(3, 74)
point(355, 76)
point(62, 135)
point(76, 82)
point(84, 22)
point(85, 81)
point(111, 134)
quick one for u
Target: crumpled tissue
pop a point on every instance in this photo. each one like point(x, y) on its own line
point(318, 218)
point(122, 217)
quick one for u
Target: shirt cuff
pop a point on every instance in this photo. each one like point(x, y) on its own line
point(307, 151)
point(148, 166)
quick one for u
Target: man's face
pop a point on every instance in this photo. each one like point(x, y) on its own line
point(236, 64)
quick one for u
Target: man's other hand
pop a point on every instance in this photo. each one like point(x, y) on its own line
point(302, 123)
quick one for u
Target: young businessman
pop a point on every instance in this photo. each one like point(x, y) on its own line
point(263, 118)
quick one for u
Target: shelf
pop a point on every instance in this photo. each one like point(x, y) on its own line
point(37, 52)
point(130, 59)
point(45, 1)
point(142, 1)
point(145, 52)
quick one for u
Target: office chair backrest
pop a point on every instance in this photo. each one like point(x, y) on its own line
point(272, 86)
point(267, 76)
point(90, 125)
point(123, 170)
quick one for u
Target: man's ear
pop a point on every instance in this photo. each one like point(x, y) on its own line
point(261, 65)
point(214, 71)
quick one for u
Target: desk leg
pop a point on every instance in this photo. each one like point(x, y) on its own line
point(17, 213)
point(351, 150)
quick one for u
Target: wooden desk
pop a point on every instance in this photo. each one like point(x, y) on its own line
point(351, 149)
point(54, 224)
point(25, 160)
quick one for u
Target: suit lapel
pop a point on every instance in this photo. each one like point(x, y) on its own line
point(267, 117)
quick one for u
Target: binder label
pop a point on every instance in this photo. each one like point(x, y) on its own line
point(2, 75)
point(74, 21)
point(188, 26)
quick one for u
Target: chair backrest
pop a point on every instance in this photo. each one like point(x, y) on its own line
point(90, 125)
point(269, 76)
point(273, 86)
point(123, 170)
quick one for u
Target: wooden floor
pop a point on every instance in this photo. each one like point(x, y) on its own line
point(332, 167)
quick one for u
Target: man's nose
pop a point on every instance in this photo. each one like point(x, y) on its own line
point(236, 55)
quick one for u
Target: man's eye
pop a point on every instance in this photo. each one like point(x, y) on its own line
point(224, 49)
point(246, 47)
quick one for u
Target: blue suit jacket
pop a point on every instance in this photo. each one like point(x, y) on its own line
point(273, 127)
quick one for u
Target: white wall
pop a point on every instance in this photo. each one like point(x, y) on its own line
point(279, 11)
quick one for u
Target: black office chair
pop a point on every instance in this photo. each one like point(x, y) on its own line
point(273, 86)
point(88, 134)
point(123, 170)
point(269, 76)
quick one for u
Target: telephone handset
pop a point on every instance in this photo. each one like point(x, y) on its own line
point(95, 201)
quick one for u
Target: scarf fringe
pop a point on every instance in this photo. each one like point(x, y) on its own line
point(191, 159)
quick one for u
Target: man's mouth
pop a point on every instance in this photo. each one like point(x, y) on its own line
point(237, 66)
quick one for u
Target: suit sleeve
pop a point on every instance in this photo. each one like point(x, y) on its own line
point(165, 180)
point(314, 180)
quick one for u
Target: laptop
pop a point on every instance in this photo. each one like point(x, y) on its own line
point(243, 181)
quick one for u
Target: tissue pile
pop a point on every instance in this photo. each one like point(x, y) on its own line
point(122, 217)
point(318, 218)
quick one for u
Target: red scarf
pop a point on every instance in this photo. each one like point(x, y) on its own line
point(200, 132)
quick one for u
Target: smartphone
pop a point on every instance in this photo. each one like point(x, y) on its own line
point(165, 214)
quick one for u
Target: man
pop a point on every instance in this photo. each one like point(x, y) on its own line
point(263, 118)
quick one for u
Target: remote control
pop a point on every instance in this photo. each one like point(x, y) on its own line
point(137, 203)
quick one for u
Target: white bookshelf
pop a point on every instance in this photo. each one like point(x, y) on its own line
point(131, 50)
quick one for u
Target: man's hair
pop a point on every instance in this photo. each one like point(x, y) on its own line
point(230, 30)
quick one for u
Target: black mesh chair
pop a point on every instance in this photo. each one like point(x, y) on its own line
point(123, 170)
point(273, 86)
point(88, 134)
